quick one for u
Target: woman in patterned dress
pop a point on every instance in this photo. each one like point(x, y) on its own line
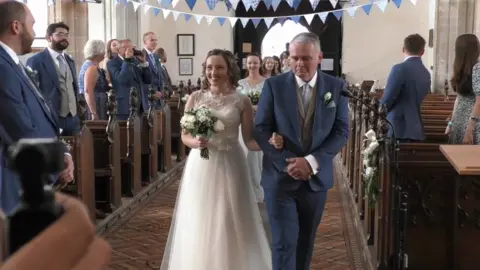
point(253, 83)
point(463, 127)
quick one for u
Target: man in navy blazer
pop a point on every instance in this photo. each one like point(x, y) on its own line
point(407, 85)
point(127, 70)
point(24, 112)
point(306, 108)
point(57, 76)
point(150, 42)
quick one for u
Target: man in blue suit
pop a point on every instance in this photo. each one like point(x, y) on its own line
point(128, 70)
point(57, 76)
point(24, 112)
point(408, 84)
point(150, 42)
point(306, 108)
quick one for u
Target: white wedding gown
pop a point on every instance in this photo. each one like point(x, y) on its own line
point(216, 223)
point(254, 158)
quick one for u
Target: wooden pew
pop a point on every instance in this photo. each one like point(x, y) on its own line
point(424, 174)
point(130, 148)
point(176, 108)
point(149, 147)
point(164, 141)
point(106, 149)
point(81, 149)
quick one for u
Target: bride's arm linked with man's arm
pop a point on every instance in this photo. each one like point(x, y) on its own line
point(247, 129)
point(265, 126)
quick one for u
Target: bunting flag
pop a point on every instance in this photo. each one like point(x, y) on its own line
point(351, 10)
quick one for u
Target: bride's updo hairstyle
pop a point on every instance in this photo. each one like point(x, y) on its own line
point(233, 70)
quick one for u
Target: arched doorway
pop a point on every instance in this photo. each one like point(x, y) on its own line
point(278, 36)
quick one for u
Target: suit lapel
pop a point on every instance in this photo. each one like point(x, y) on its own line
point(26, 81)
point(321, 89)
point(290, 94)
point(50, 67)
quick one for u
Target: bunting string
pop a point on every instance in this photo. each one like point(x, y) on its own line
point(351, 10)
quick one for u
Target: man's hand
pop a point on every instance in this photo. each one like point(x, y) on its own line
point(66, 176)
point(158, 95)
point(299, 169)
point(128, 53)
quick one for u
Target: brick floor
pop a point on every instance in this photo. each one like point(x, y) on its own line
point(139, 242)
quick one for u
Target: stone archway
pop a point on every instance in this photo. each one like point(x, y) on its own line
point(274, 41)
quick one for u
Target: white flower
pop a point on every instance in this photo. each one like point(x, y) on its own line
point(187, 121)
point(357, 85)
point(29, 69)
point(373, 145)
point(185, 98)
point(371, 136)
point(218, 126)
point(366, 162)
point(369, 172)
point(327, 97)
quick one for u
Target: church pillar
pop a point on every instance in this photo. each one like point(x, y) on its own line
point(453, 18)
point(75, 15)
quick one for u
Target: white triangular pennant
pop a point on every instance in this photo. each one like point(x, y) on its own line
point(209, 19)
point(198, 18)
point(136, 5)
point(174, 3)
point(166, 12)
point(244, 21)
point(146, 8)
point(382, 5)
point(414, 2)
point(268, 21)
point(309, 18)
point(334, 3)
point(290, 3)
point(234, 3)
point(175, 15)
point(232, 20)
point(323, 16)
point(351, 11)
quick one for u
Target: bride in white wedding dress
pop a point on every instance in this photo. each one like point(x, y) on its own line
point(216, 223)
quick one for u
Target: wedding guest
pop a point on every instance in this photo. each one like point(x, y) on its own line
point(69, 243)
point(57, 75)
point(278, 64)
point(162, 55)
point(463, 127)
point(112, 51)
point(268, 67)
point(407, 85)
point(92, 80)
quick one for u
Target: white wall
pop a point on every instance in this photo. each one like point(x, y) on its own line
point(207, 36)
point(373, 44)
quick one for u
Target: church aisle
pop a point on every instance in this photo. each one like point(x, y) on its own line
point(138, 243)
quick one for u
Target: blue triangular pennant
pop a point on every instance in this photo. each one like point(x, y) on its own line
point(275, 4)
point(338, 14)
point(256, 21)
point(296, 3)
point(155, 11)
point(282, 20)
point(191, 3)
point(187, 16)
point(211, 4)
point(267, 3)
point(165, 3)
point(296, 19)
point(367, 8)
point(397, 3)
point(221, 20)
point(228, 5)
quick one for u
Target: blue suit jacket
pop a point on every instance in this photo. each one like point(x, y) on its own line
point(408, 84)
point(127, 74)
point(155, 70)
point(22, 115)
point(277, 112)
point(43, 63)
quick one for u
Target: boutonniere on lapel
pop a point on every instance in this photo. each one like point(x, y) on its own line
point(33, 75)
point(327, 99)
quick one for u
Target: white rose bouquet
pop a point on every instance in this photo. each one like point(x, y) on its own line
point(200, 123)
point(254, 97)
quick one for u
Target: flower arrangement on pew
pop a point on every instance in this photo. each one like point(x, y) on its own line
point(185, 98)
point(201, 123)
point(370, 172)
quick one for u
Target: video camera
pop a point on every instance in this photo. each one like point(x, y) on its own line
point(35, 161)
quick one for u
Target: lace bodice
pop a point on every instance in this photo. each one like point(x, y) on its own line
point(228, 109)
point(245, 88)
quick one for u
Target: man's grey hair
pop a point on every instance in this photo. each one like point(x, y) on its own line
point(93, 48)
point(307, 38)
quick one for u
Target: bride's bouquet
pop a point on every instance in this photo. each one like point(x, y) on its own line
point(254, 97)
point(200, 123)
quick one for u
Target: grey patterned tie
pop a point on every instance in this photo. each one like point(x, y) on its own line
point(152, 58)
point(62, 64)
point(305, 96)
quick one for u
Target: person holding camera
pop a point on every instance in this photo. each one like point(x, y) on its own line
point(129, 69)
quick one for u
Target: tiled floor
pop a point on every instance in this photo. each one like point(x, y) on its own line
point(139, 242)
